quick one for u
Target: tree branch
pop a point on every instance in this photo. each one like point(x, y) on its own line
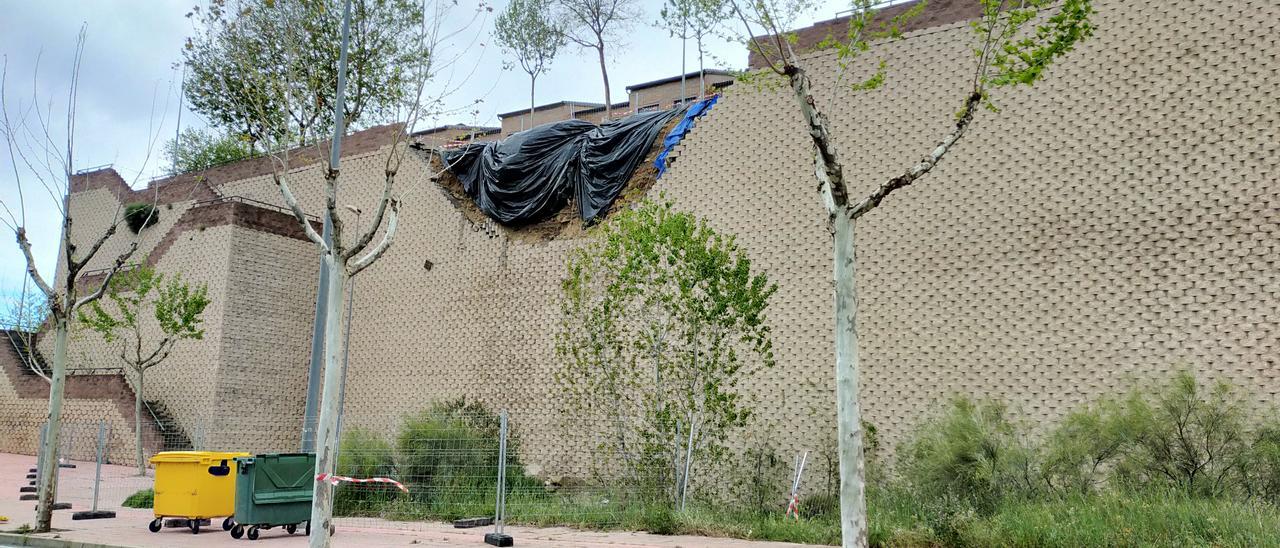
point(74, 267)
point(926, 164)
point(827, 166)
point(367, 260)
point(31, 265)
point(292, 202)
point(106, 282)
point(367, 237)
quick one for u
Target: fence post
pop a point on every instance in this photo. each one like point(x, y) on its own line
point(498, 537)
point(99, 456)
point(97, 469)
point(44, 431)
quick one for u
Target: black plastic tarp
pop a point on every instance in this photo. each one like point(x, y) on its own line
point(530, 175)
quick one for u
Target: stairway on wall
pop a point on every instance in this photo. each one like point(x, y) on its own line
point(21, 360)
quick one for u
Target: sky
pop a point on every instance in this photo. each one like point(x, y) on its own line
point(128, 100)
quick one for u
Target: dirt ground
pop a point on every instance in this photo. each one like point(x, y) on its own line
point(129, 527)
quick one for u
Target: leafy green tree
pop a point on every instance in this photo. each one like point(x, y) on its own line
point(196, 149)
point(133, 295)
point(662, 318)
point(528, 30)
point(292, 48)
point(1016, 40)
point(597, 25)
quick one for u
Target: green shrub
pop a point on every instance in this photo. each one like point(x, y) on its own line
point(1185, 438)
point(140, 215)
point(763, 479)
point(142, 499)
point(970, 456)
point(449, 455)
point(1181, 438)
point(660, 520)
point(1078, 454)
point(1262, 470)
point(363, 454)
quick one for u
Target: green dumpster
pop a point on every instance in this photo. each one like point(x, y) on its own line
point(274, 491)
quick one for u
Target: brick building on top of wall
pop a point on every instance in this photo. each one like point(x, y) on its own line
point(658, 94)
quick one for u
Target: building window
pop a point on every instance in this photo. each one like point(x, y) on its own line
point(648, 108)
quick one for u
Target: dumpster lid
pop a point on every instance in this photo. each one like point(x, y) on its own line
point(195, 456)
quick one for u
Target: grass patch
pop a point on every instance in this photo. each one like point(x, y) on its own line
point(142, 499)
point(1140, 520)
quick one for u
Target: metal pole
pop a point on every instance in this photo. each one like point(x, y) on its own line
point(311, 411)
point(97, 471)
point(346, 351)
point(501, 514)
point(497, 537)
point(310, 414)
point(688, 462)
point(327, 423)
point(177, 130)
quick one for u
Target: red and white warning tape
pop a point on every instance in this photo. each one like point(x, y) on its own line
point(335, 480)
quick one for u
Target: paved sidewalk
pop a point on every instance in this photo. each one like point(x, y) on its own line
point(129, 527)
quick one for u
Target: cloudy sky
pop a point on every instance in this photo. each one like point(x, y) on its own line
point(128, 93)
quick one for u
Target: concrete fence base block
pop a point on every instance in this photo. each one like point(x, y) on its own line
point(499, 539)
point(93, 514)
point(468, 523)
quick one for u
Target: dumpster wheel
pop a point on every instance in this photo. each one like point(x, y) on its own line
point(228, 523)
point(253, 533)
point(237, 531)
point(155, 525)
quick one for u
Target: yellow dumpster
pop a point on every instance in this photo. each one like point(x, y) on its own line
point(194, 485)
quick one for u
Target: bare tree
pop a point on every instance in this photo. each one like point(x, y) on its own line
point(32, 141)
point(695, 19)
point(22, 316)
point(133, 295)
point(434, 78)
point(595, 25)
point(528, 31)
point(1016, 41)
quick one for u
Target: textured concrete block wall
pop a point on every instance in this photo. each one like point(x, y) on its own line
point(1111, 225)
point(259, 392)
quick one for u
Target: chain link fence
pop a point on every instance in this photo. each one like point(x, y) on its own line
point(454, 463)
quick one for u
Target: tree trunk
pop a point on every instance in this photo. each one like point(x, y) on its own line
point(49, 451)
point(137, 425)
point(853, 512)
point(533, 82)
point(830, 175)
point(683, 70)
point(604, 74)
point(702, 70)
point(327, 427)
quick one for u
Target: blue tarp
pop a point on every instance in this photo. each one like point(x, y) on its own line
point(677, 133)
